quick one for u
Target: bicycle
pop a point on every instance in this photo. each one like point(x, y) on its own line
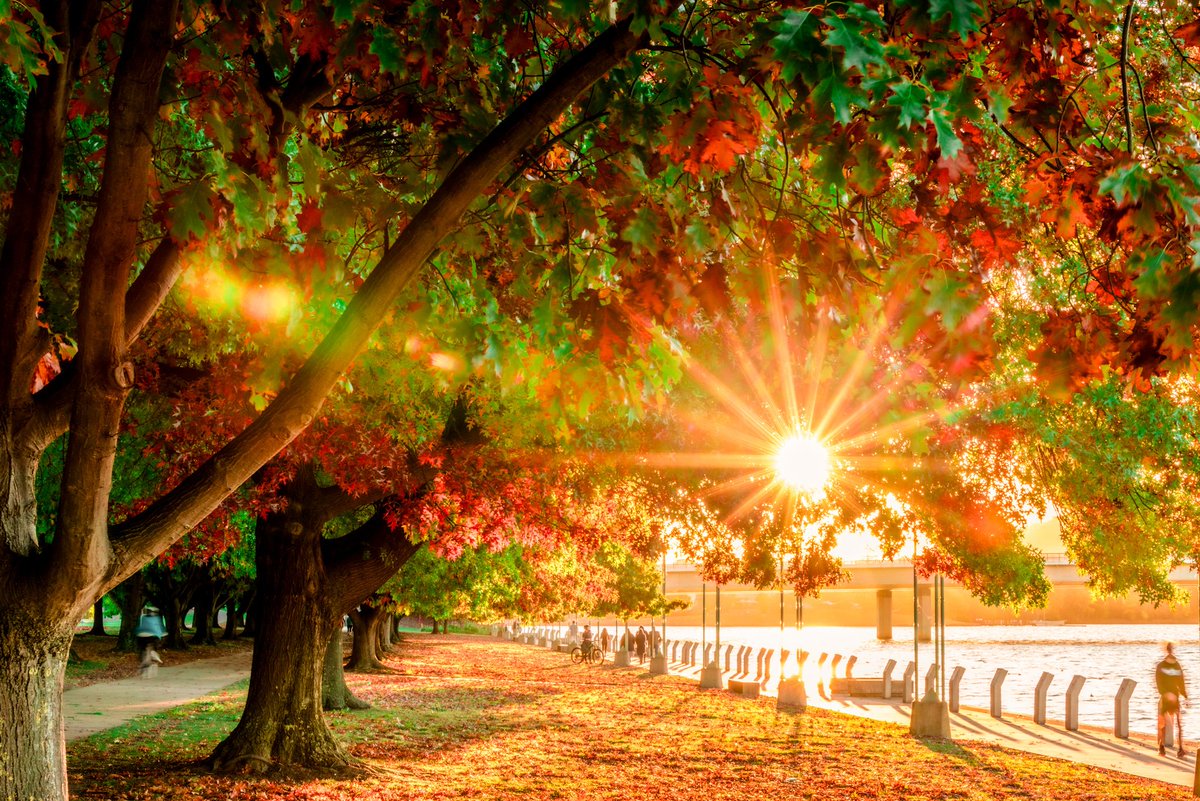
point(593, 656)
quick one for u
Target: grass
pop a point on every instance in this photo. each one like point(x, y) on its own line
point(470, 717)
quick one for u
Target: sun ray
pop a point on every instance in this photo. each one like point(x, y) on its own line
point(857, 367)
point(782, 343)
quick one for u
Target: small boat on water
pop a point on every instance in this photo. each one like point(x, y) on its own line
point(1048, 622)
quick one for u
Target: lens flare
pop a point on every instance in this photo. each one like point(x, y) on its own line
point(803, 463)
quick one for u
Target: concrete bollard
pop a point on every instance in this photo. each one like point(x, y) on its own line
point(801, 658)
point(1071, 718)
point(758, 665)
point(1121, 708)
point(955, 680)
point(931, 679)
point(1039, 698)
point(887, 678)
point(728, 656)
point(673, 645)
point(850, 668)
point(910, 682)
point(708, 653)
point(997, 704)
point(766, 674)
point(833, 665)
point(742, 659)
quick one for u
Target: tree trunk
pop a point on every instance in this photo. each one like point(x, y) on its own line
point(231, 620)
point(31, 736)
point(202, 619)
point(385, 633)
point(248, 612)
point(98, 619)
point(130, 596)
point(173, 612)
point(366, 633)
point(282, 723)
point(434, 630)
point(334, 692)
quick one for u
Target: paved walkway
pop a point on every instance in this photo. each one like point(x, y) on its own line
point(98, 707)
point(104, 706)
point(1137, 756)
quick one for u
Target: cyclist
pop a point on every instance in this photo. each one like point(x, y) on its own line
point(585, 642)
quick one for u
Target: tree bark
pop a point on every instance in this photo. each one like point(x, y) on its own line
point(366, 634)
point(31, 674)
point(98, 619)
point(334, 692)
point(385, 633)
point(282, 723)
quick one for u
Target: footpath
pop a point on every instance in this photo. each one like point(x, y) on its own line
point(1137, 756)
point(103, 706)
point(106, 705)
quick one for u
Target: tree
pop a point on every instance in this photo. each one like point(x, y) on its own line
point(48, 583)
point(850, 146)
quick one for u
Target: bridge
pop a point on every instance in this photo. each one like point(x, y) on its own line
point(884, 576)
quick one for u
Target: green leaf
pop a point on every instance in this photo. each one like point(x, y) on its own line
point(859, 51)
point(796, 42)
point(345, 10)
point(1126, 184)
point(963, 14)
point(642, 232)
point(948, 141)
point(386, 47)
point(910, 99)
point(841, 96)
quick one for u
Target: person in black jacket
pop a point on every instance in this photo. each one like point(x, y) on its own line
point(1168, 677)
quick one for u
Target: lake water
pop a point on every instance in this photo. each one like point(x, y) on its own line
point(1103, 654)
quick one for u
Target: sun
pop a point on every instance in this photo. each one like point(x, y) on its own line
point(803, 463)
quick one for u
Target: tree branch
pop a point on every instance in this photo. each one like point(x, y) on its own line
point(80, 550)
point(168, 518)
point(1124, 60)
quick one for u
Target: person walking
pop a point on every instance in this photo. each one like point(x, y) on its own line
point(639, 641)
point(604, 641)
point(1168, 678)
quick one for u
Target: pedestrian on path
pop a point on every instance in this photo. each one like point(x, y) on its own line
point(639, 640)
point(1168, 677)
point(149, 633)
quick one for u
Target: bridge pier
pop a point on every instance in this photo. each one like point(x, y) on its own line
point(925, 613)
point(883, 618)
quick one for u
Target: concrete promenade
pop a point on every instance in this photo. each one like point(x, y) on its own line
point(103, 706)
point(1137, 756)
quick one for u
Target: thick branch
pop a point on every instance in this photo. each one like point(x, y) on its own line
point(35, 197)
point(80, 549)
point(151, 287)
point(359, 563)
point(181, 509)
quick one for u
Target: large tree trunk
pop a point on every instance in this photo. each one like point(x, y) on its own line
point(98, 619)
point(282, 723)
point(334, 692)
point(366, 635)
point(202, 619)
point(31, 674)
